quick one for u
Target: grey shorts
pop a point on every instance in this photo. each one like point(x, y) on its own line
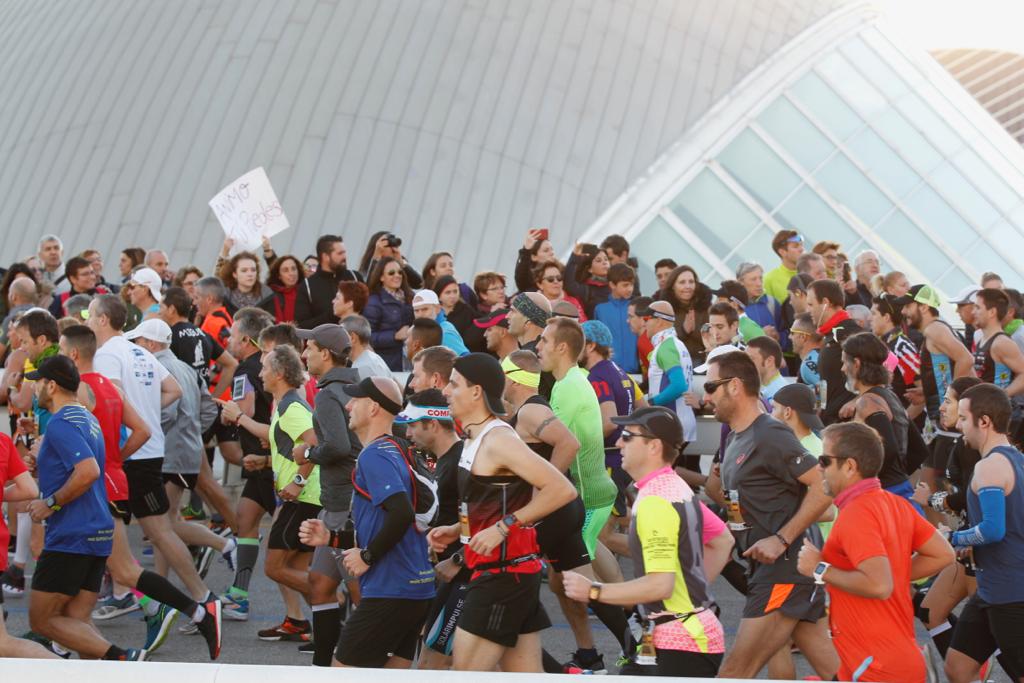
point(327, 561)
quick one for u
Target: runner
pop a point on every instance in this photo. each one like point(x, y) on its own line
point(774, 493)
point(431, 368)
point(887, 325)
point(79, 528)
point(877, 546)
point(943, 357)
point(502, 615)
point(327, 358)
point(429, 425)
point(666, 542)
point(825, 304)
point(997, 359)
point(992, 619)
point(389, 555)
point(162, 601)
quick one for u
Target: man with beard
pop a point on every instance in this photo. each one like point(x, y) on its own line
point(332, 268)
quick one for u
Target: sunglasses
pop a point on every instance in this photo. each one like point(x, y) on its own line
point(793, 332)
point(825, 461)
point(553, 278)
point(712, 387)
point(628, 436)
point(392, 272)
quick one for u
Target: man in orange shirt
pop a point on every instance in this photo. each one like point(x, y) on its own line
point(878, 545)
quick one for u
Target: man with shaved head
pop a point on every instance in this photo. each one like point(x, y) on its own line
point(671, 371)
point(21, 296)
point(391, 561)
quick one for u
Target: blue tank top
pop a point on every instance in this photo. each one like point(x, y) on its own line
point(936, 376)
point(999, 564)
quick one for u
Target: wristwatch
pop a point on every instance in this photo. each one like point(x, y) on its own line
point(458, 560)
point(51, 502)
point(819, 572)
point(510, 520)
point(366, 556)
point(299, 480)
point(595, 590)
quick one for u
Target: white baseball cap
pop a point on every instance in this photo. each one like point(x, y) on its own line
point(425, 297)
point(147, 277)
point(715, 353)
point(153, 329)
point(965, 295)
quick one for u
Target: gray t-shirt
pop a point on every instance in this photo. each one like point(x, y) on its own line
point(761, 471)
point(370, 364)
point(183, 447)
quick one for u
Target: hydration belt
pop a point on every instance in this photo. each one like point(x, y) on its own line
point(503, 564)
point(666, 618)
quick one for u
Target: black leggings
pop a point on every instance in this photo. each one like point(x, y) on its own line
point(688, 664)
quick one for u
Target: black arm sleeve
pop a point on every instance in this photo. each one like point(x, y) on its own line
point(882, 424)
point(524, 278)
point(917, 449)
point(398, 516)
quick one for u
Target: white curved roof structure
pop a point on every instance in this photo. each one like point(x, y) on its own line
point(460, 123)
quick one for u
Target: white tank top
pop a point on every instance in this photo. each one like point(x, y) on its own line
point(471, 446)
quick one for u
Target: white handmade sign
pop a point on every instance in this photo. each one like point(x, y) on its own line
point(248, 210)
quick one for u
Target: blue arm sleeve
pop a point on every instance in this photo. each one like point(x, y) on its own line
point(676, 387)
point(992, 527)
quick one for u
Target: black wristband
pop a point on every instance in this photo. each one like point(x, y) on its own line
point(782, 539)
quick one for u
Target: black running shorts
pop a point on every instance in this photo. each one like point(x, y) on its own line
point(803, 601)
point(119, 510)
point(260, 489)
point(284, 534)
point(983, 628)
point(68, 573)
point(379, 629)
point(498, 607)
point(560, 537)
point(182, 481)
point(443, 616)
point(146, 494)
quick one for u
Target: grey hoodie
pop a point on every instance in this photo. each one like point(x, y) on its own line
point(338, 447)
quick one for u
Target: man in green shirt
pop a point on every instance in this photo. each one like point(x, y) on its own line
point(789, 245)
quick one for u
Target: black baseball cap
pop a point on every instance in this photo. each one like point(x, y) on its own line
point(498, 317)
point(484, 370)
point(800, 398)
point(368, 389)
point(660, 422)
point(59, 369)
point(799, 282)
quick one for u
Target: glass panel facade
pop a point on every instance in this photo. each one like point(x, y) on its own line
point(866, 149)
point(660, 240)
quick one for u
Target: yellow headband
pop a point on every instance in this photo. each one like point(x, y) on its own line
point(518, 375)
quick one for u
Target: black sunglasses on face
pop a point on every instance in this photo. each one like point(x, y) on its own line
point(825, 461)
point(553, 278)
point(628, 436)
point(712, 387)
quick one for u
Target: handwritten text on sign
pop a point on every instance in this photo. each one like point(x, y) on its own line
point(248, 210)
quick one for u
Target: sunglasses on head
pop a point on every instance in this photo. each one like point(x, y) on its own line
point(628, 436)
point(712, 386)
point(825, 461)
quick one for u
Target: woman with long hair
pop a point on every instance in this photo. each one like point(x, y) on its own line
point(389, 310)
point(289, 301)
point(549, 280)
point(241, 275)
point(586, 276)
point(442, 263)
point(386, 244)
point(536, 250)
point(131, 258)
point(690, 299)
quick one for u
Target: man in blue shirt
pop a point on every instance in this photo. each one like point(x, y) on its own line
point(426, 305)
point(79, 527)
point(388, 554)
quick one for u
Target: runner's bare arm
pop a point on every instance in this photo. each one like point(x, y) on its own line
point(872, 578)
point(1006, 351)
point(170, 391)
point(133, 421)
point(932, 557)
point(507, 451)
point(23, 487)
point(543, 424)
point(648, 588)
point(946, 342)
point(228, 365)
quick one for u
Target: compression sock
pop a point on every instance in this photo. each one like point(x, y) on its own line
point(614, 619)
point(159, 589)
point(551, 665)
point(23, 544)
point(942, 635)
point(248, 554)
point(326, 632)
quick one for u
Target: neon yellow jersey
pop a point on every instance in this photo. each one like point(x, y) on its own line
point(290, 420)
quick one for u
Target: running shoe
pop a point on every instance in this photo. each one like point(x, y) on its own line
point(235, 607)
point(13, 580)
point(203, 563)
point(114, 607)
point(577, 665)
point(191, 514)
point(211, 625)
point(135, 655)
point(45, 642)
point(159, 626)
point(287, 630)
point(189, 628)
point(307, 648)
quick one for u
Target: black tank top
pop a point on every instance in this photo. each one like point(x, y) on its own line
point(894, 464)
point(987, 368)
point(541, 448)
